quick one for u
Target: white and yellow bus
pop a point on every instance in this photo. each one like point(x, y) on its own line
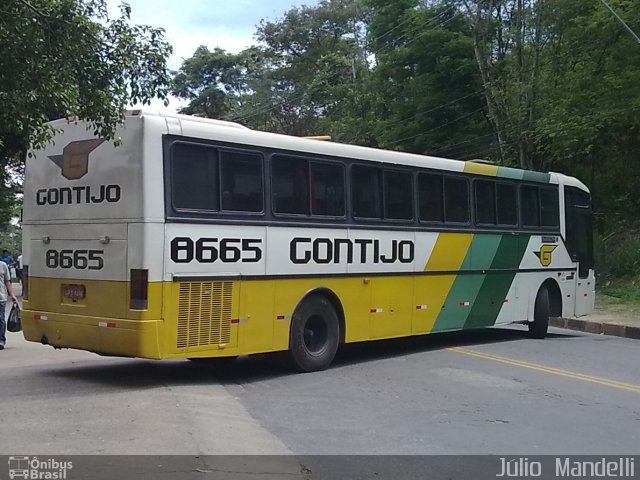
point(197, 238)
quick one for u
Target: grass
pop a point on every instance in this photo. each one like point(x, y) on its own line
point(619, 295)
point(618, 269)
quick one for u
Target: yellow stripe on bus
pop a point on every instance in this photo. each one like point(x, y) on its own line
point(449, 252)
point(448, 255)
point(481, 169)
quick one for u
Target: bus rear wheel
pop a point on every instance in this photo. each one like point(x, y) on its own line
point(314, 335)
point(538, 328)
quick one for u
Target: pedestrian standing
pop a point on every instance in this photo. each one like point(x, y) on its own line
point(6, 292)
point(6, 258)
point(19, 268)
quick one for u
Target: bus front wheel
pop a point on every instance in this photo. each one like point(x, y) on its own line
point(314, 336)
point(538, 328)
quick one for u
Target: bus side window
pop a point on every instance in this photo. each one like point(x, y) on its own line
point(430, 197)
point(530, 206)
point(327, 189)
point(241, 181)
point(290, 185)
point(194, 177)
point(507, 203)
point(398, 196)
point(485, 202)
point(549, 208)
point(456, 200)
point(366, 191)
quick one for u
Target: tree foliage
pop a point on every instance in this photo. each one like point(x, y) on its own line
point(426, 74)
point(539, 84)
point(67, 57)
point(306, 74)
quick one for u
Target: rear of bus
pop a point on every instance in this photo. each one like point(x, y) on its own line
point(93, 223)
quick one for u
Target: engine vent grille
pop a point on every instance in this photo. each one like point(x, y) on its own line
point(204, 314)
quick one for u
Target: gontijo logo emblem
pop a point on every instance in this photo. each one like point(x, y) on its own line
point(74, 160)
point(544, 254)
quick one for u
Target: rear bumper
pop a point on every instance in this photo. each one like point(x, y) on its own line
point(107, 336)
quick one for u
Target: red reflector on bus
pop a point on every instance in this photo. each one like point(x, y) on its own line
point(139, 289)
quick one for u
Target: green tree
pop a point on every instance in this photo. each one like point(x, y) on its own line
point(429, 90)
point(589, 102)
point(508, 39)
point(304, 78)
point(66, 57)
point(209, 80)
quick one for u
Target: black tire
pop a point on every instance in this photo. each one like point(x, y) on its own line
point(538, 328)
point(314, 335)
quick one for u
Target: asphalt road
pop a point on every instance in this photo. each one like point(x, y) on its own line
point(492, 391)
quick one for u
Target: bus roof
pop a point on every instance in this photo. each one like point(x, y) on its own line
point(213, 129)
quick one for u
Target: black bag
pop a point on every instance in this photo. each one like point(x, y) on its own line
point(13, 322)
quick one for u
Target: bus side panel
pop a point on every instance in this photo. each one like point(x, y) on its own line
point(201, 318)
point(391, 296)
point(430, 293)
point(448, 253)
point(548, 252)
point(585, 294)
point(457, 308)
point(354, 295)
point(257, 316)
point(492, 297)
point(391, 312)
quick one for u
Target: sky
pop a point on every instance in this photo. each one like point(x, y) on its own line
point(228, 24)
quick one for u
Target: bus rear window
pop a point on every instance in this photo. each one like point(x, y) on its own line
point(194, 177)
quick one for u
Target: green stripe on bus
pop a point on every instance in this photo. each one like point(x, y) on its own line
point(526, 175)
point(540, 177)
point(465, 288)
point(495, 287)
point(513, 173)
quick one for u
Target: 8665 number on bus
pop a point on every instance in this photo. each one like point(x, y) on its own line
point(78, 259)
point(210, 250)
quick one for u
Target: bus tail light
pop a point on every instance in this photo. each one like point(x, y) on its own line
point(139, 289)
point(25, 282)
